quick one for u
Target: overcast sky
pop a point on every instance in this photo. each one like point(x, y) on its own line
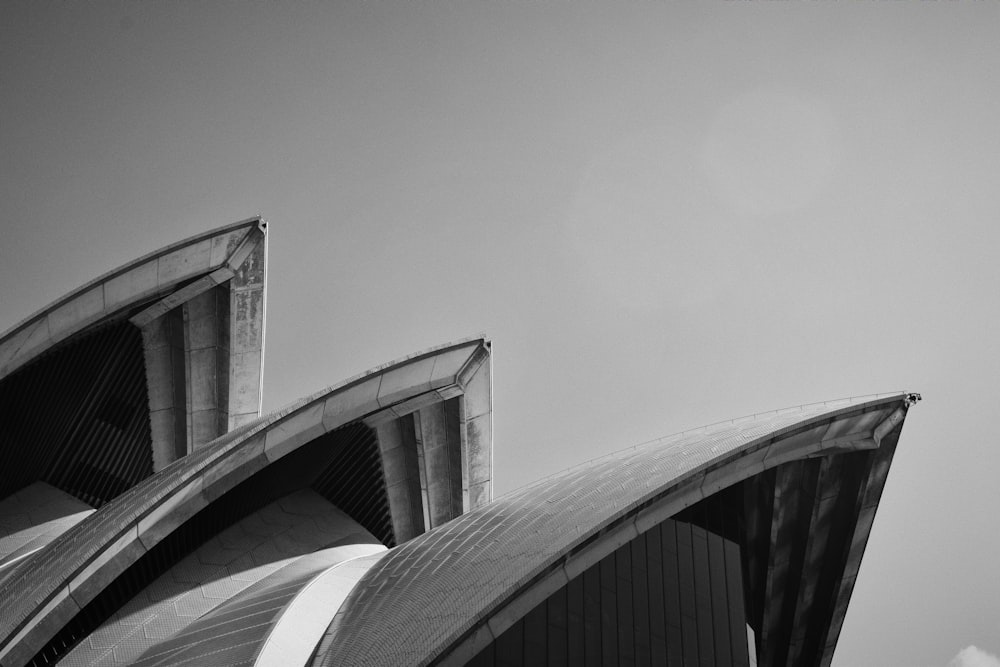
point(663, 215)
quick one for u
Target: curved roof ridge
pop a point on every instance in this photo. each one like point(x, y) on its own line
point(251, 428)
point(104, 277)
point(559, 526)
point(847, 401)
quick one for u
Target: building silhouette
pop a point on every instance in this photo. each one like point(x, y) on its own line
point(149, 515)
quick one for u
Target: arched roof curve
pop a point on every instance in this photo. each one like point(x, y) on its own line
point(450, 592)
point(207, 259)
point(53, 587)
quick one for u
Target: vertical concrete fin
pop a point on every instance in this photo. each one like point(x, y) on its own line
point(163, 352)
point(247, 291)
point(478, 432)
point(442, 447)
point(397, 446)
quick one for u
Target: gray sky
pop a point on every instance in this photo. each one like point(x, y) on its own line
point(663, 215)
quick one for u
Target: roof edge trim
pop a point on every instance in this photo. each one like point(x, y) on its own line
point(191, 240)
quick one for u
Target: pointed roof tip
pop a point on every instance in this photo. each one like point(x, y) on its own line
point(32, 335)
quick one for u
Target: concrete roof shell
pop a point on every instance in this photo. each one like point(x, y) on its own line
point(210, 255)
point(450, 592)
point(51, 588)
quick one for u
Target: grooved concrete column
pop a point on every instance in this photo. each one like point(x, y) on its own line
point(206, 356)
point(398, 447)
point(442, 445)
point(163, 349)
point(246, 345)
point(204, 351)
point(478, 446)
point(783, 563)
point(422, 470)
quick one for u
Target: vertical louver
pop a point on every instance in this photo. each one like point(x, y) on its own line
point(78, 418)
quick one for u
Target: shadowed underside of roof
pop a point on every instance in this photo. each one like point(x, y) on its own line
point(326, 442)
point(812, 475)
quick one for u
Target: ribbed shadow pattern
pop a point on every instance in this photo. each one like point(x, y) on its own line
point(78, 418)
point(312, 465)
point(671, 596)
point(353, 482)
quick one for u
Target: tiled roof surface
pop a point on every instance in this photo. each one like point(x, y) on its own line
point(236, 559)
point(424, 595)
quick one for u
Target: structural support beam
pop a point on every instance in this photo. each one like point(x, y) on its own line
point(247, 314)
point(867, 502)
point(204, 352)
point(206, 366)
point(477, 430)
point(794, 487)
point(397, 444)
point(440, 437)
point(237, 255)
point(163, 349)
point(805, 616)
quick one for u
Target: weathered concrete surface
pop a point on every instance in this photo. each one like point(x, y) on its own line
point(204, 345)
point(206, 368)
point(200, 306)
point(478, 431)
point(109, 295)
point(441, 445)
point(247, 305)
point(397, 444)
point(163, 350)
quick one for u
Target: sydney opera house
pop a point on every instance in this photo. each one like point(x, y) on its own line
point(150, 515)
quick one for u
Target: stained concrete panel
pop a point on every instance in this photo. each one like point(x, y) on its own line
point(224, 245)
point(184, 262)
point(442, 455)
point(126, 287)
point(86, 307)
point(405, 380)
point(478, 399)
point(348, 404)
